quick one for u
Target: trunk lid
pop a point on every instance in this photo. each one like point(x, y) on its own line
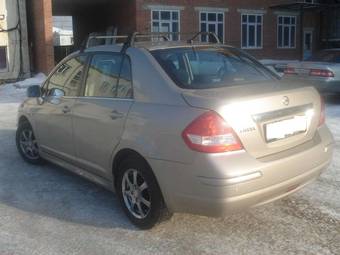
point(267, 118)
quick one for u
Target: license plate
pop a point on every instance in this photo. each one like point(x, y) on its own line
point(286, 128)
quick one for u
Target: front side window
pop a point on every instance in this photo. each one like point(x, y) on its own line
point(109, 76)
point(165, 22)
point(252, 31)
point(212, 22)
point(286, 31)
point(67, 77)
point(205, 67)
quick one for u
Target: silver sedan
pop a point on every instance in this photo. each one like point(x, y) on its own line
point(176, 127)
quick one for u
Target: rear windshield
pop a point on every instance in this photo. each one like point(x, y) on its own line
point(326, 56)
point(207, 67)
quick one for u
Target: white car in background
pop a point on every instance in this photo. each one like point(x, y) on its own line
point(322, 71)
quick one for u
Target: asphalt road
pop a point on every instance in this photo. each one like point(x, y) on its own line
point(47, 210)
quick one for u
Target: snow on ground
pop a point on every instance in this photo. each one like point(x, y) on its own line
point(17, 90)
point(46, 210)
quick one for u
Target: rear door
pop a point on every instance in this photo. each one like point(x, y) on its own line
point(100, 114)
point(53, 116)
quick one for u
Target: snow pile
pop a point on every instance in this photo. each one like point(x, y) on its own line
point(36, 80)
point(17, 90)
point(275, 61)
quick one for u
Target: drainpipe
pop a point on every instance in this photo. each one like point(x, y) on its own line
point(302, 16)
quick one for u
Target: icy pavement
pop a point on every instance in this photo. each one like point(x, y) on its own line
point(47, 210)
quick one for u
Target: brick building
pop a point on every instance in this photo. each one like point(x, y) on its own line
point(275, 29)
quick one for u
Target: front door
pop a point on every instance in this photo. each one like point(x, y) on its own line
point(99, 116)
point(307, 44)
point(53, 116)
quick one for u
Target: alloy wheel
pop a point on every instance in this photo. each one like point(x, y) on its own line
point(29, 144)
point(136, 194)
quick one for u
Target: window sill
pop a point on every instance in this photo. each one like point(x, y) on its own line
point(252, 48)
point(286, 48)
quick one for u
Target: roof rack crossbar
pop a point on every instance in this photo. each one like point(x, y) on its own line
point(94, 37)
point(217, 40)
point(132, 38)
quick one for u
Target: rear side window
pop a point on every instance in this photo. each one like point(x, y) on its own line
point(204, 68)
point(109, 76)
point(68, 76)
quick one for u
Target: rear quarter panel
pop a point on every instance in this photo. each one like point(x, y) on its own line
point(155, 131)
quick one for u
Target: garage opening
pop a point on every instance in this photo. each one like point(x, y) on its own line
point(59, 27)
point(85, 17)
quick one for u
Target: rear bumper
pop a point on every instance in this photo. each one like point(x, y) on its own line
point(208, 186)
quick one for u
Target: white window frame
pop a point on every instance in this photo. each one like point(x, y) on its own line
point(311, 2)
point(170, 21)
point(256, 23)
point(216, 23)
point(289, 35)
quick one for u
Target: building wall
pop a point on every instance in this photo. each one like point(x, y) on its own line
point(17, 57)
point(135, 15)
point(189, 22)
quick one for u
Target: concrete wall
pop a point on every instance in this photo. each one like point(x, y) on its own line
point(17, 58)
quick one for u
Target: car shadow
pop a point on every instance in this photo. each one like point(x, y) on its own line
point(51, 191)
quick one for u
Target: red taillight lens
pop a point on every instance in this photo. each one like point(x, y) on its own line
point(321, 73)
point(290, 70)
point(209, 133)
point(322, 119)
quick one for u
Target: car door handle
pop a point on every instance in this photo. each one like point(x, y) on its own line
point(116, 115)
point(66, 109)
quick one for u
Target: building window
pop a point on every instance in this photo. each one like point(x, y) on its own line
point(252, 31)
point(212, 22)
point(3, 57)
point(286, 31)
point(166, 21)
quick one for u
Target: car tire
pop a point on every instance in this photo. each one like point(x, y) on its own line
point(139, 193)
point(27, 144)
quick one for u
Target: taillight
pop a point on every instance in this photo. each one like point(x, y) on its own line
point(290, 70)
point(209, 133)
point(322, 112)
point(321, 73)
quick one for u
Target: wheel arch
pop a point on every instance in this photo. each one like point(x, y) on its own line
point(120, 156)
point(23, 119)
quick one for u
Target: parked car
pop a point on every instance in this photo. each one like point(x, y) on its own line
point(176, 127)
point(322, 71)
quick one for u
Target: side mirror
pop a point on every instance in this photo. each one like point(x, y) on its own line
point(34, 91)
point(57, 93)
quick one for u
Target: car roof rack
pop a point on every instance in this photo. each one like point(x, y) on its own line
point(210, 34)
point(132, 38)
